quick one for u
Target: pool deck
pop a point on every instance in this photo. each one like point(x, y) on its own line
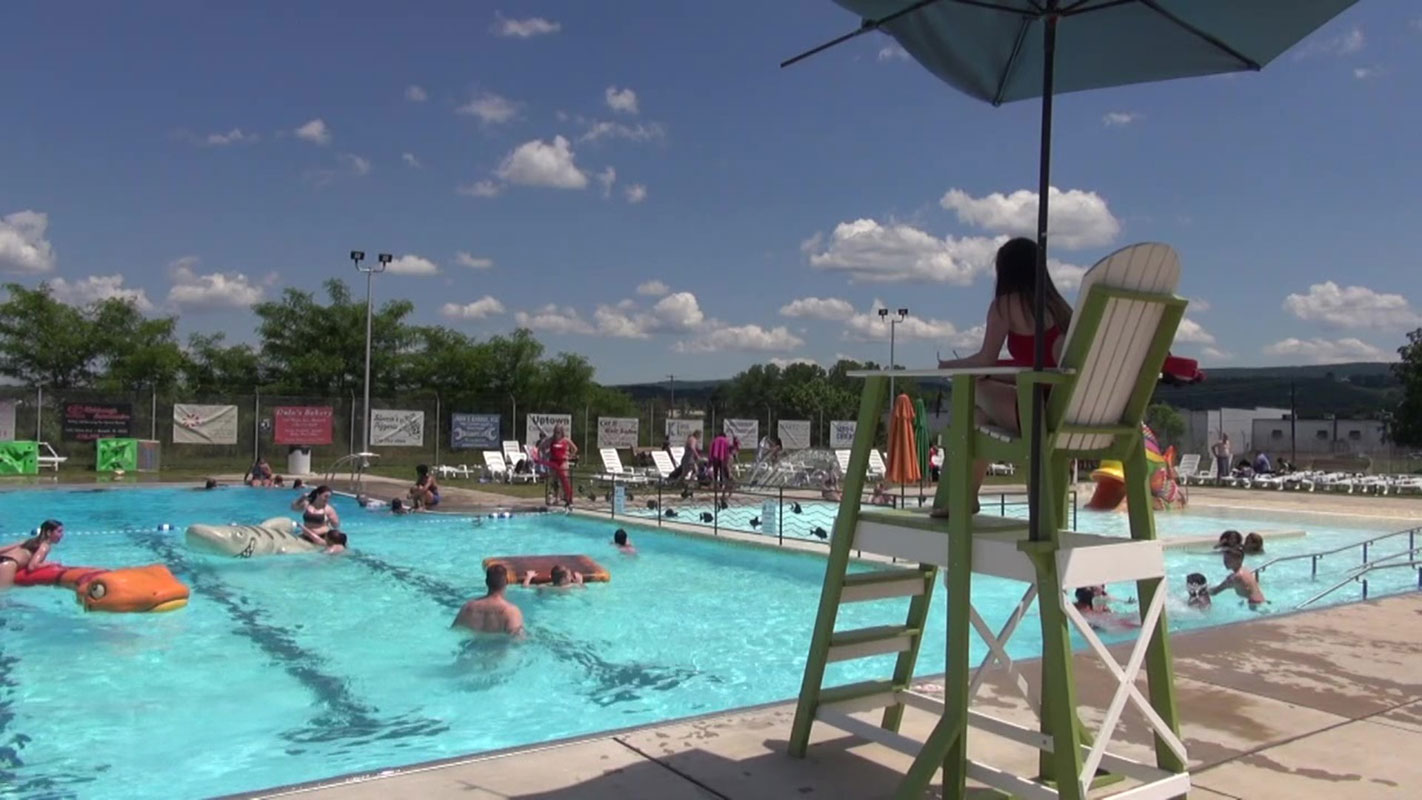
point(1325, 703)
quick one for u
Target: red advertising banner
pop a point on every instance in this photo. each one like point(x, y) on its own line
point(302, 424)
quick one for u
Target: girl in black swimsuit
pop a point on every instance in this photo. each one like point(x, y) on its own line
point(318, 516)
point(29, 553)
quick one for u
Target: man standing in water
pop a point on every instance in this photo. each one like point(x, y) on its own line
point(492, 613)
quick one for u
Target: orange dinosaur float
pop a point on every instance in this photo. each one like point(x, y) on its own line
point(138, 589)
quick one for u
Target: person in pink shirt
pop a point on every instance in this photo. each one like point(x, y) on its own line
point(719, 458)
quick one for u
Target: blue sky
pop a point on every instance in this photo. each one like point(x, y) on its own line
point(647, 188)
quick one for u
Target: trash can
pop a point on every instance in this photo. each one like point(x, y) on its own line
point(298, 460)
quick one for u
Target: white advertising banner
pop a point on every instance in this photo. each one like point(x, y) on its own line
point(541, 425)
point(617, 432)
point(794, 434)
point(7, 420)
point(842, 433)
point(396, 428)
point(195, 424)
point(679, 429)
point(747, 430)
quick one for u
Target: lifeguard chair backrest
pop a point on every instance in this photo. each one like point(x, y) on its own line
point(1125, 319)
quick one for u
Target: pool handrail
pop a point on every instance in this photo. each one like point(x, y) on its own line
point(1365, 544)
point(1362, 573)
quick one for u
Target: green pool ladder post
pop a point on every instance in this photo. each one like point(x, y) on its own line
point(813, 694)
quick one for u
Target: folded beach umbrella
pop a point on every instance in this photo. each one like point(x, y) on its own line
point(920, 434)
point(1004, 50)
point(903, 452)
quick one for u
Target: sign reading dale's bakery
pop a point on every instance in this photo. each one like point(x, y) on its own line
point(302, 424)
point(85, 422)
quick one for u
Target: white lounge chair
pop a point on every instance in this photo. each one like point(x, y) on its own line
point(841, 457)
point(877, 469)
point(495, 466)
point(1189, 465)
point(53, 460)
point(678, 454)
point(612, 469)
point(663, 463)
point(513, 453)
point(451, 471)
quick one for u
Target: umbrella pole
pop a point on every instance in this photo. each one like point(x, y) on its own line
point(1039, 311)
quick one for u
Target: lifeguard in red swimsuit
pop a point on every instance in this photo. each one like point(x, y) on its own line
point(561, 450)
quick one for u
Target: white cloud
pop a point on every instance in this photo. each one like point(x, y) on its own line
point(818, 308)
point(23, 248)
point(635, 193)
point(1327, 351)
point(540, 163)
point(213, 290)
point(1116, 119)
point(464, 259)
point(490, 108)
point(479, 309)
point(746, 338)
point(1363, 73)
point(870, 327)
point(607, 177)
point(1190, 332)
point(1343, 44)
point(1216, 354)
point(653, 288)
point(524, 28)
point(1077, 219)
point(1067, 277)
point(411, 160)
point(357, 165)
point(869, 251)
point(623, 100)
point(786, 362)
point(315, 132)
point(1199, 305)
point(98, 287)
point(416, 94)
point(412, 265)
point(553, 319)
point(640, 132)
point(480, 189)
point(1352, 307)
point(234, 136)
point(893, 52)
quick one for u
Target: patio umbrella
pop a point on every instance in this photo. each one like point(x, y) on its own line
point(1005, 50)
point(903, 453)
point(920, 434)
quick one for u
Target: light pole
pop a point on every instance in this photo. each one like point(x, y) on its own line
point(893, 323)
point(382, 260)
point(671, 402)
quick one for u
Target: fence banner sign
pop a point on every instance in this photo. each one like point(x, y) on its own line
point(85, 422)
point(679, 429)
point(541, 425)
point(842, 432)
point(195, 424)
point(395, 428)
point(794, 434)
point(617, 431)
point(747, 430)
point(306, 425)
point(474, 431)
point(7, 420)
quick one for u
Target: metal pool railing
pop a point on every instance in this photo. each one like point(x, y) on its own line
point(1366, 544)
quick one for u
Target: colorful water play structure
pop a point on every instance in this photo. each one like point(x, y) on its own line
point(136, 589)
point(1165, 488)
point(542, 567)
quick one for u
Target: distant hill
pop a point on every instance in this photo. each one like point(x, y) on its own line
point(1347, 390)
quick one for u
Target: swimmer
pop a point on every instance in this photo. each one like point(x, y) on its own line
point(335, 543)
point(318, 516)
point(1229, 539)
point(260, 474)
point(620, 541)
point(492, 613)
point(298, 484)
point(1198, 588)
point(1253, 545)
point(1243, 581)
point(29, 553)
point(563, 579)
point(1094, 601)
point(397, 506)
point(210, 484)
point(425, 492)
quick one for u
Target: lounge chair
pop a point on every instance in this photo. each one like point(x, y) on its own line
point(841, 458)
point(663, 463)
point(53, 460)
point(496, 467)
point(451, 471)
point(877, 469)
point(1189, 465)
point(513, 453)
point(612, 469)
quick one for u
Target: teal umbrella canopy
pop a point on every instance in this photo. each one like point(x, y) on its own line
point(920, 430)
point(993, 49)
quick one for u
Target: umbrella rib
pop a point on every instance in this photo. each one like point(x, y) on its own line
point(1202, 35)
point(864, 27)
point(1073, 8)
point(1012, 60)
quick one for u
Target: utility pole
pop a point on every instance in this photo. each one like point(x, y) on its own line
point(1293, 424)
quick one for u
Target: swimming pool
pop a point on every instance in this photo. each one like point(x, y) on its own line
point(296, 668)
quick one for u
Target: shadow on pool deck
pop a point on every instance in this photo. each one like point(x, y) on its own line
point(1317, 704)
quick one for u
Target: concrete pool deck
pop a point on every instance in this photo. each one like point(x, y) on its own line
point(1325, 703)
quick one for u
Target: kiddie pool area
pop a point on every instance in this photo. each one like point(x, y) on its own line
point(296, 668)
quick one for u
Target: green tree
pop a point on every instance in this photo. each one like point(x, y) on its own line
point(133, 350)
point(43, 341)
point(1167, 423)
point(1406, 428)
point(212, 368)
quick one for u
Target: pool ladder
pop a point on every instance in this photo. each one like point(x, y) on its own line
point(358, 463)
point(1413, 556)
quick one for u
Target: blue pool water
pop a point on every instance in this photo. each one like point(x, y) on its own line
point(296, 668)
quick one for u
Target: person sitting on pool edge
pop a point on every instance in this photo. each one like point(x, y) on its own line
point(1197, 586)
point(29, 553)
point(425, 493)
point(1240, 579)
point(260, 474)
point(492, 613)
point(563, 578)
point(620, 541)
